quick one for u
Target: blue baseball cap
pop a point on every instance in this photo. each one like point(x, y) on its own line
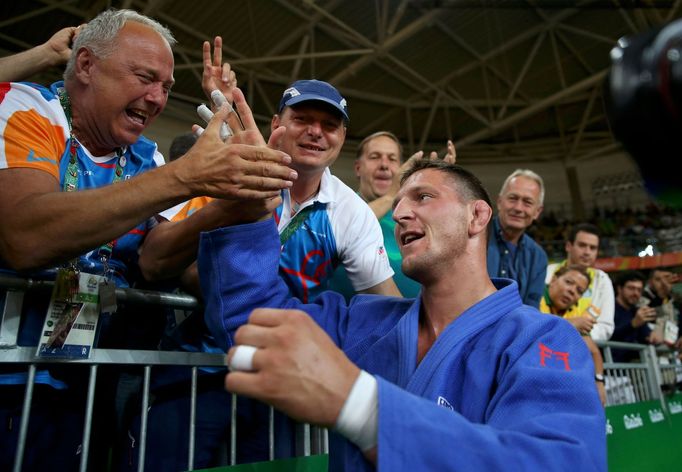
point(317, 90)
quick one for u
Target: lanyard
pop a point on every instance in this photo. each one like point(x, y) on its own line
point(295, 223)
point(71, 177)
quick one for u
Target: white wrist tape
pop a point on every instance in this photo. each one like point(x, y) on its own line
point(358, 419)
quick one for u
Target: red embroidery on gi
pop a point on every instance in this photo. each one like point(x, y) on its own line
point(547, 353)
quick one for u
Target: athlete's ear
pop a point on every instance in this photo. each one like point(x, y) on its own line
point(480, 214)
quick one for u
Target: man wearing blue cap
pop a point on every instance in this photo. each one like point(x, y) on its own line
point(322, 222)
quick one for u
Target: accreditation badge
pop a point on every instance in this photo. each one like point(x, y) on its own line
point(670, 332)
point(70, 325)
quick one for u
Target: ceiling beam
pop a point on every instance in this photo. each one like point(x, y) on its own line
point(310, 22)
point(381, 49)
point(33, 13)
point(483, 64)
point(288, 57)
point(587, 34)
point(557, 59)
point(533, 109)
point(429, 121)
point(583, 122)
point(510, 43)
point(460, 102)
point(625, 16)
point(381, 8)
point(199, 35)
point(673, 11)
point(152, 6)
point(589, 69)
point(566, 42)
point(397, 16)
point(522, 73)
point(298, 62)
point(607, 148)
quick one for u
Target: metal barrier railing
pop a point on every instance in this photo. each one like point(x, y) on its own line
point(309, 440)
point(629, 382)
point(643, 379)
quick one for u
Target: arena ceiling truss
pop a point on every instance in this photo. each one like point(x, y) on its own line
point(505, 79)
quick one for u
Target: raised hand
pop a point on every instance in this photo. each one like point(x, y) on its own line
point(643, 315)
point(60, 44)
point(242, 167)
point(450, 156)
point(217, 75)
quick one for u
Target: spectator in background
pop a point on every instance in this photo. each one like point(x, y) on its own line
point(53, 52)
point(567, 286)
point(511, 252)
point(378, 167)
point(631, 319)
point(464, 377)
point(658, 294)
point(595, 310)
point(180, 145)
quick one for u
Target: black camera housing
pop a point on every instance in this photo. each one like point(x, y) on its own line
point(643, 94)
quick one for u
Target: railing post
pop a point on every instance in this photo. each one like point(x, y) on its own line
point(142, 452)
point(87, 425)
point(25, 415)
point(654, 375)
point(11, 314)
point(192, 419)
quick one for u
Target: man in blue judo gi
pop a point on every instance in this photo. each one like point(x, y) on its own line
point(464, 378)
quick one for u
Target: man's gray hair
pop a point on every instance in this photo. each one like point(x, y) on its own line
point(528, 174)
point(99, 34)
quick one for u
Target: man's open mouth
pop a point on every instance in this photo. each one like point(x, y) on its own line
point(135, 114)
point(408, 237)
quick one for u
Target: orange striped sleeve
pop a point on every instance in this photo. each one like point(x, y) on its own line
point(31, 141)
point(190, 207)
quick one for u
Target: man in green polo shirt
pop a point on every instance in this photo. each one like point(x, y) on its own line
point(378, 167)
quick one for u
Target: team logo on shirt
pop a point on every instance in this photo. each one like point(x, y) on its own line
point(553, 357)
point(381, 252)
point(444, 403)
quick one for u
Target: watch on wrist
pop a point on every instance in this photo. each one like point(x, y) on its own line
point(599, 378)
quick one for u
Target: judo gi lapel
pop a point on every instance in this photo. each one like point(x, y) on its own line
point(415, 378)
point(407, 330)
